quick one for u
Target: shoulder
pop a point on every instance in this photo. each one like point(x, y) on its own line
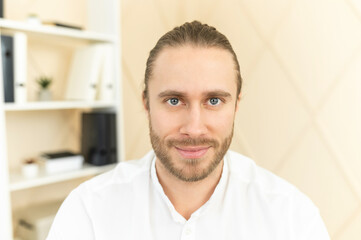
point(274, 198)
point(264, 182)
point(91, 203)
point(125, 173)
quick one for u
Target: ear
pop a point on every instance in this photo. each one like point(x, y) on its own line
point(238, 101)
point(145, 102)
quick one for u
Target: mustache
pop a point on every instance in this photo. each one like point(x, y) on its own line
point(193, 142)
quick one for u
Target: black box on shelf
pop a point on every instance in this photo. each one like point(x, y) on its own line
point(98, 141)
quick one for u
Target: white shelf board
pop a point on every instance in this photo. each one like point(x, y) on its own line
point(55, 31)
point(19, 182)
point(54, 105)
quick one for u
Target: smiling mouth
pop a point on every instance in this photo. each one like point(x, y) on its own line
point(192, 151)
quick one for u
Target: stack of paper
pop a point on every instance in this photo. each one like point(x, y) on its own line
point(62, 161)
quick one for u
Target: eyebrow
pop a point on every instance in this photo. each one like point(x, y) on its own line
point(214, 93)
point(172, 93)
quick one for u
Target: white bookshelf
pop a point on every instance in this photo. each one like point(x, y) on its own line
point(49, 31)
point(103, 27)
point(57, 105)
point(19, 182)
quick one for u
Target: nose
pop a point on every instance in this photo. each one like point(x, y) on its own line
point(194, 124)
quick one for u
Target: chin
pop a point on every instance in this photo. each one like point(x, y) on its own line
point(192, 169)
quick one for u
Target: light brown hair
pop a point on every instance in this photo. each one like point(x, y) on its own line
point(195, 34)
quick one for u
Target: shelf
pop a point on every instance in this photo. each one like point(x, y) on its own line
point(14, 26)
point(19, 182)
point(56, 47)
point(54, 105)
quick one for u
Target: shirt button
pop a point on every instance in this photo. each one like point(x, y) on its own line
point(188, 231)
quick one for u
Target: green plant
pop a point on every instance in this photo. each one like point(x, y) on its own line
point(33, 15)
point(44, 82)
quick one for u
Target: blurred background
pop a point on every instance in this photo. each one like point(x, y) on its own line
point(300, 114)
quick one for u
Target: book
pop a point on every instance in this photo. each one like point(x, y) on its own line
point(61, 161)
point(7, 57)
point(59, 24)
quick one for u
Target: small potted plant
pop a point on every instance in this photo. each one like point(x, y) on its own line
point(44, 84)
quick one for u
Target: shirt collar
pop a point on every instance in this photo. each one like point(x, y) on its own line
point(210, 204)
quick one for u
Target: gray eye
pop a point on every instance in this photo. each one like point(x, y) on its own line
point(214, 101)
point(173, 101)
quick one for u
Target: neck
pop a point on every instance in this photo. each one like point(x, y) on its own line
point(187, 197)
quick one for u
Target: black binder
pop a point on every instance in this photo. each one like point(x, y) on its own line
point(7, 56)
point(1, 8)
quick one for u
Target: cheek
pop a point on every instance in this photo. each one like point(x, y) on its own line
point(163, 122)
point(221, 122)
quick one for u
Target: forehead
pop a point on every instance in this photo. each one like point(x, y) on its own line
point(193, 68)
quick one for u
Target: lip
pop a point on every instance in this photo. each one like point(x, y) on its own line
point(192, 151)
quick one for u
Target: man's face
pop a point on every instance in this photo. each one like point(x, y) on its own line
point(192, 104)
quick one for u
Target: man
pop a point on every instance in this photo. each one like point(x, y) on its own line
point(190, 186)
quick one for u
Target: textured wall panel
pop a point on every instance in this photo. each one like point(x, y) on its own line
point(300, 113)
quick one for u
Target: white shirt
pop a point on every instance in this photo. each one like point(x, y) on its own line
point(249, 203)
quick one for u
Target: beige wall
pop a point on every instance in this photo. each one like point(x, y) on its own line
point(300, 115)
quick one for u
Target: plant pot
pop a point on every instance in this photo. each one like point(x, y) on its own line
point(30, 170)
point(44, 95)
point(33, 19)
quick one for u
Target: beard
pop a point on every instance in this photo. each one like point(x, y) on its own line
point(162, 151)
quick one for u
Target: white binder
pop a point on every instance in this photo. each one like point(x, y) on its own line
point(20, 67)
point(84, 73)
point(106, 86)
